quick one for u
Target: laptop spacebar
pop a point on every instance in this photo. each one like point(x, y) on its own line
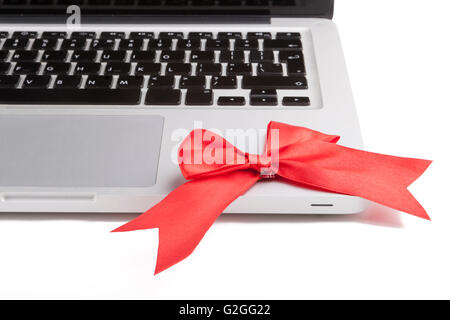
point(71, 96)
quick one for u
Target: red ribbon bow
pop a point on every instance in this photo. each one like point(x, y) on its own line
point(300, 155)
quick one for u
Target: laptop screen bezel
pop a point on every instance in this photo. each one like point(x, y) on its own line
point(122, 14)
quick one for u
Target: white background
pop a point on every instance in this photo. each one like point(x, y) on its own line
point(398, 57)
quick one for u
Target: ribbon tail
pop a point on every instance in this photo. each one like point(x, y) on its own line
point(376, 177)
point(186, 214)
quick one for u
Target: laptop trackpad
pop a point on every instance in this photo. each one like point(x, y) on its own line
point(79, 150)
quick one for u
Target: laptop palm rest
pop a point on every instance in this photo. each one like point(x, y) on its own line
point(79, 150)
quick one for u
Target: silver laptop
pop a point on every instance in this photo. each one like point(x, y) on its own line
point(96, 96)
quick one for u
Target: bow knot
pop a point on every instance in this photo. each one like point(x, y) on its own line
point(219, 173)
point(263, 165)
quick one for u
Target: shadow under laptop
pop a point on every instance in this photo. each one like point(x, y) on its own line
point(375, 215)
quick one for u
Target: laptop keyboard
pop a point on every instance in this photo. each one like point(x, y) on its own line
point(118, 68)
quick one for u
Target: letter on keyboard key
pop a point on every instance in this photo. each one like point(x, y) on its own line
point(163, 96)
point(95, 81)
point(34, 81)
point(274, 82)
point(148, 68)
point(202, 56)
point(130, 82)
point(27, 67)
point(65, 81)
point(71, 96)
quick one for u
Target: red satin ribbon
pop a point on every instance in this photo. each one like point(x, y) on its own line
point(304, 156)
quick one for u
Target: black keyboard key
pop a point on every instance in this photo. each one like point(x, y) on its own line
point(131, 44)
point(103, 44)
point(84, 56)
point(159, 44)
point(3, 34)
point(112, 35)
point(268, 69)
point(202, 56)
point(229, 35)
point(9, 81)
point(183, 69)
point(3, 55)
point(239, 69)
point(261, 56)
point(278, 44)
point(172, 56)
point(232, 56)
point(71, 96)
point(296, 67)
point(117, 68)
point(83, 35)
point(263, 93)
point(217, 44)
point(263, 101)
point(231, 101)
point(54, 35)
point(98, 82)
point(4, 67)
point(34, 81)
point(57, 68)
point(148, 68)
point(171, 35)
point(188, 44)
point(296, 101)
point(25, 34)
point(142, 35)
point(288, 35)
point(209, 69)
point(73, 44)
point(249, 44)
point(199, 97)
point(26, 67)
point(130, 82)
point(42, 44)
point(259, 35)
point(64, 81)
point(18, 43)
point(227, 82)
point(163, 96)
point(200, 35)
point(54, 56)
point(161, 81)
point(274, 82)
point(110, 55)
point(286, 56)
point(24, 55)
point(144, 56)
point(87, 68)
point(190, 82)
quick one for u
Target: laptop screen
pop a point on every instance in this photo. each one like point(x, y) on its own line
point(155, 8)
